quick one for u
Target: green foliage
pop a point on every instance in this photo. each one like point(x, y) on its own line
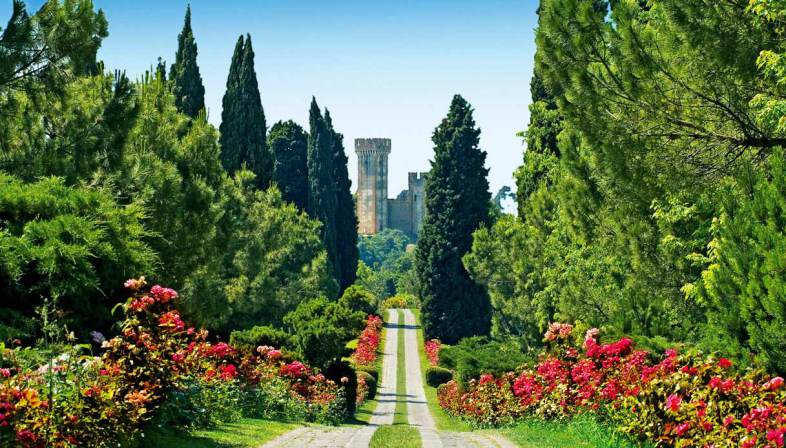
point(62, 38)
point(357, 298)
point(457, 203)
point(321, 329)
point(478, 355)
point(383, 249)
point(248, 340)
point(186, 80)
point(401, 301)
point(289, 144)
point(74, 244)
point(243, 128)
point(345, 218)
point(200, 404)
point(342, 372)
point(370, 381)
point(435, 376)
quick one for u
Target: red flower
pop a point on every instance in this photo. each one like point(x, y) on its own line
point(673, 403)
point(724, 363)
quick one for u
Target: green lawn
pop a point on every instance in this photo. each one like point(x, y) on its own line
point(443, 421)
point(398, 436)
point(581, 432)
point(245, 433)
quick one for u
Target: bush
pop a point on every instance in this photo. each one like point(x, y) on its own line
point(370, 384)
point(371, 370)
point(478, 355)
point(200, 404)
point(342, 372)
point(247, 341)
point(357, 298)
point(401, 301)
point(273, 400)
point(436, 376)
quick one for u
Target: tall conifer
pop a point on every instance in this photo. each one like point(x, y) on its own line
point(346, 219)
point(243, 124)
point(188, 89)
point(321, 184)
point(289, 144)
point(457, 203)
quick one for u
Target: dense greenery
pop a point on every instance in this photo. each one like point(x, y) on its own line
point(109, 179)
point(187, 82)
point(386, 267)
point(243, 128)
point(289, 144)
point(650, 194)
point(457, 203)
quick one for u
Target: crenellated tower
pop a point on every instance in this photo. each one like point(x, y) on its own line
point(372, 194)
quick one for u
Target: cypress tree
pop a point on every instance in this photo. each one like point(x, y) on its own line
point(321, 185)
point(289, 144)
point(243, 124)
point(457, 203)
point(346, 219)
point(188, 89)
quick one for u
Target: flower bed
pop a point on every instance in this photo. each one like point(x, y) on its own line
point(91, 401)
point(366, 352)
point(672, 400)
point(432, 347)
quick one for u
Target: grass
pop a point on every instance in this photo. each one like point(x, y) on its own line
point(245, 433)
point(399, 436)
point(400, 415)
point(581, 432)
point(443, 421)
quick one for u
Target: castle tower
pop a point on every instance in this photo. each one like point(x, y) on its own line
point(372, 194)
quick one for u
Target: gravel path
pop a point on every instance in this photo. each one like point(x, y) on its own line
point(355, 437)
point(417, 409)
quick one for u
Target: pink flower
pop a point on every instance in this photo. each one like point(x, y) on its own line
point(5, 372)
point(486, 378)
point(673, 403)
point(774, 384)
point(682, 428)
point(134, 284)
point(776, 435)
point(274, 354)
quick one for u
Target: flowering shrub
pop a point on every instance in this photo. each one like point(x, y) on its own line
point(674, 400)
point(432, 347)
point(90, 401)
point(366, 352)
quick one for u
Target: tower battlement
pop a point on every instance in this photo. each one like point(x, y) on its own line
point(380, 145)
point(375, 210)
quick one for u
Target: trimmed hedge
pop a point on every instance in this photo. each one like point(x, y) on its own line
point(436, 376)
point(248, 340)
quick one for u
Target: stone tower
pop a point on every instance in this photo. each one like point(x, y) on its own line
point(372, 194)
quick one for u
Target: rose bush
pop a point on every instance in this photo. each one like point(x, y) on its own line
point(89, 401)
point(432, 347)
point(368, 342)
point(672, 400)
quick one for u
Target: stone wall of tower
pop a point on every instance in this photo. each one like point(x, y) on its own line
point(405, 212)
point(372, 193)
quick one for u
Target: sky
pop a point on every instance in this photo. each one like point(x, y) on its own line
point(384, 68)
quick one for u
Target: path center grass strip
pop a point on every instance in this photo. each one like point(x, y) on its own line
point(400, 417)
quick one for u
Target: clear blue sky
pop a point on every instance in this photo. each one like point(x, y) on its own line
point(383, 68)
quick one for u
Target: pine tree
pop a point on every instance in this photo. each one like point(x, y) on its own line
point(188, 89)
point(243, 124)
point(321, 185)
point(457, 203)
point(346, 219)
point(288, 142)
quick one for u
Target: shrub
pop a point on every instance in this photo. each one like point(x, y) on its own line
point(436, 376)
point(321, 329)
point(197, 403)
point(367, 386)
point(368, 342)
point(341, 372)
point(371, 370)
point(478, 355)
point(432, 347)
point(401, 301)
point(673, 400)
point(357, 298)
point(248, 340)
